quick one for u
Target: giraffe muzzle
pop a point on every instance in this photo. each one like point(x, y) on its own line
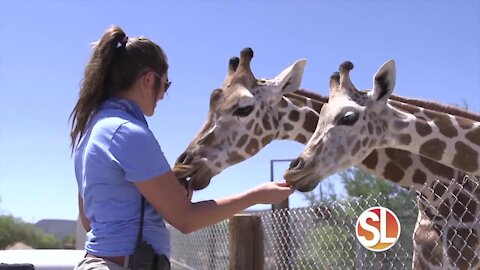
point(189, 169)
point(300, 176)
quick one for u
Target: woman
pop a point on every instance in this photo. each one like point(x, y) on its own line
point(118, 160)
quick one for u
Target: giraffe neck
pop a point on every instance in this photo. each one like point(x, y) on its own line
point(297, 117)
point(448, 139)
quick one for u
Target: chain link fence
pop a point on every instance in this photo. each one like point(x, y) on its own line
point(323, 236)
point(203, 249)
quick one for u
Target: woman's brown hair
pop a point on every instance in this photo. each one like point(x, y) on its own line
point(115, 64)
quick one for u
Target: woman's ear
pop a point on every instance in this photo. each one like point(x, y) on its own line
point(148, 80)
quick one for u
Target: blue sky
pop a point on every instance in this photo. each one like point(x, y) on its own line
point(44, 46)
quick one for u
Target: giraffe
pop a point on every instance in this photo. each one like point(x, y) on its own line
point(353, 123)
point(277, 113)
point(389, 163)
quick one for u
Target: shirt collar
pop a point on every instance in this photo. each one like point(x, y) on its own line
point(126, 105)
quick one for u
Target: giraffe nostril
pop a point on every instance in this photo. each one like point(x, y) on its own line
point(181, 158)
point(296, 164)
point(184, 158)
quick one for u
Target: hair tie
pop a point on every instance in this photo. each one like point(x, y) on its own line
point(123, 42)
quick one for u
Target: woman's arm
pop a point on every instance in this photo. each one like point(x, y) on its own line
point(168, 197)
point(83, 218)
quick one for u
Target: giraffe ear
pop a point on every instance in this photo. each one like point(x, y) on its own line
point(290, 78)
point(384, 81)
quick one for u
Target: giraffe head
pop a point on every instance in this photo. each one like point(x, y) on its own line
point(241, 120)
point(350, 126)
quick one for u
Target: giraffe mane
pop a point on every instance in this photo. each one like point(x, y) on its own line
point(312, 95)
point(427, 104)
point(436, 106)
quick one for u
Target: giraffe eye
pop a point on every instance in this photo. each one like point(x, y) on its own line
point(243, 111)
point(348, 119)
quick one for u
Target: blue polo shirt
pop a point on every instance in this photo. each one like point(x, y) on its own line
point(117, 150)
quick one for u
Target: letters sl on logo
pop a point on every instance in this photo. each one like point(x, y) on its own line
point(377, 229)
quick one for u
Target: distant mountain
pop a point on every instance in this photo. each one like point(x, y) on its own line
point(57, 227)
point(18, 246)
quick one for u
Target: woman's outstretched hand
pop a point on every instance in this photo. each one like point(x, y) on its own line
point(271, 192)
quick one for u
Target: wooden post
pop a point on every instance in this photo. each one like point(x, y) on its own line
point(246, 242)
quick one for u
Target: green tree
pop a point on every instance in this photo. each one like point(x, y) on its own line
point(377, 191)
point(323, 194)
point(14, 230)
point(68, 242)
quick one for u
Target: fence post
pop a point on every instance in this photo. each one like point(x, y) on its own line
point(246, 242)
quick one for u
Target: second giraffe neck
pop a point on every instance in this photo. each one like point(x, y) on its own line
point(448, 139)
